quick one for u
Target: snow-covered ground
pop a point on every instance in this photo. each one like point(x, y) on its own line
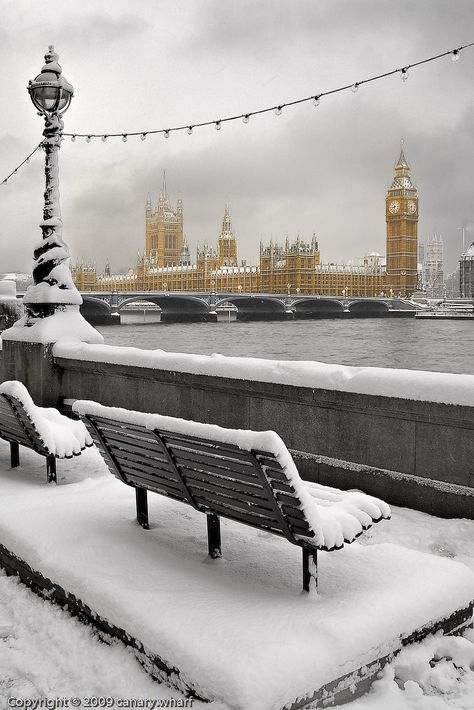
point(46, 653)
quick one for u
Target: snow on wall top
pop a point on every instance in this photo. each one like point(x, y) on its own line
point(385, 382)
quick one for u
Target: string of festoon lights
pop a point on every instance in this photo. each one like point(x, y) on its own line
point(315, 99)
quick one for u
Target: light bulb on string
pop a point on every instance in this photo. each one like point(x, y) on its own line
point(73, 138)
point(246, 118)
point(27, 161)
point(88, 139)
point(103, 139)
point(143, 136)
point(278, 111)
point(218, 125)
point(455, 55)
point(190, 130)
point(125, 138)
point(316, 100)
point(355, 87)
point(404, 74)
point(167, 133)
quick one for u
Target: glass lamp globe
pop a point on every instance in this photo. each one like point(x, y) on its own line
point(49, 91)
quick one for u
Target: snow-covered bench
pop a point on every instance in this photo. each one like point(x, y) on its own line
point(246, 476)
point(44, 430)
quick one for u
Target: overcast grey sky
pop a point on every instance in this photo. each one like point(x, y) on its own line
point(150, 64)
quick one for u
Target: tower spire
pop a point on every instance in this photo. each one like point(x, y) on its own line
point(163, 189)
point(402, 161)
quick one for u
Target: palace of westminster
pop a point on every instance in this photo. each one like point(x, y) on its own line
point(296, 267)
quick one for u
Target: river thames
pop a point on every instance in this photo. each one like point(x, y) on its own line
point(443, 346)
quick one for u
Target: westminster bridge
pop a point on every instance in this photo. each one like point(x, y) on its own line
point(178, 306)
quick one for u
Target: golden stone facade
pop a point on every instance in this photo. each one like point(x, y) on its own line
point(401, 205)
point(293, 268)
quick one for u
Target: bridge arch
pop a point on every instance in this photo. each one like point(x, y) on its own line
point(313, 307)
point(255, 307)
point(95, 310)
point(368, 309)
point(174, 308)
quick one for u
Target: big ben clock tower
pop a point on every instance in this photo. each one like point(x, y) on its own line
point(401, 209)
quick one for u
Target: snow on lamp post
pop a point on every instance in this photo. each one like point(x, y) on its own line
point(53, 287)
point(53, 291)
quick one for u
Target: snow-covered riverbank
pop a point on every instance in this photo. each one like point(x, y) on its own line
point(45, 653)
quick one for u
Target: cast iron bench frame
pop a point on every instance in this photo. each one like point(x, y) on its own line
point(214, 477)
point(17, 427)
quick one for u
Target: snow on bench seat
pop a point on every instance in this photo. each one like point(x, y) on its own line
point(45, 430)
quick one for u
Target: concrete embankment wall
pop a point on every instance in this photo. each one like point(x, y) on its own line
point(387, 446)
point(413, 453)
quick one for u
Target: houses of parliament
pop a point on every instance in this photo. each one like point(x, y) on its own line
point(293, 267)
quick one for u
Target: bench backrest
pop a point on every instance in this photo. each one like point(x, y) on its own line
point(16, 425)
point(213, 476)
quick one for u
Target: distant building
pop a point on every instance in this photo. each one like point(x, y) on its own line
point(452, 285)
point(295, 267)
point(433, 267)
point(164, 240)
point(466, 273)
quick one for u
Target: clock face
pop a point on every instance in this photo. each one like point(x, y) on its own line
point(394, 206)
point(411, 207)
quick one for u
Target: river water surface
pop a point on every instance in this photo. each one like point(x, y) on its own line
point(443, 346)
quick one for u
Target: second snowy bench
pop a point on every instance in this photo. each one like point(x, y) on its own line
point(44, 430)
point(246, 476)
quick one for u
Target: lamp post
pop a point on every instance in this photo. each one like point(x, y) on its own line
point(53, 289)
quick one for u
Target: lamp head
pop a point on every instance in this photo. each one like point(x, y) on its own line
point(49, 91)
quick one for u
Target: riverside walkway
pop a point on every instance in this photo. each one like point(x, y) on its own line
point(46, 653)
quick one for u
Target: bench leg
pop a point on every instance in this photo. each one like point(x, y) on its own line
point(14, 454)
point(310, 570)
point(51, 469)
point(214, 535)
point(142, 507)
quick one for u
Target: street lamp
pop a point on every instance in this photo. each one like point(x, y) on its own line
point(53, 288)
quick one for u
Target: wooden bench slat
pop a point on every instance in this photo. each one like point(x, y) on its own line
point(14, 431)
point(240, 516)
point(298, 530)
point(294, 512)
point(250, 480)
point(241, 500)
point(199, 440)
point(210, 499)
point(140, 441)
point(216, 448)
point(216, 461)
point(132, 476)
point(281, 486)
point(136, 451)
point(148, 468)
point(25, 420)
point(11, 418)
point(287, 498)
point(275, 474)
point(115, 424)
point(224, 481)
point(267, 460)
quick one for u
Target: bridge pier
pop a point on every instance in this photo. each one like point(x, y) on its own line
point(103, 319)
